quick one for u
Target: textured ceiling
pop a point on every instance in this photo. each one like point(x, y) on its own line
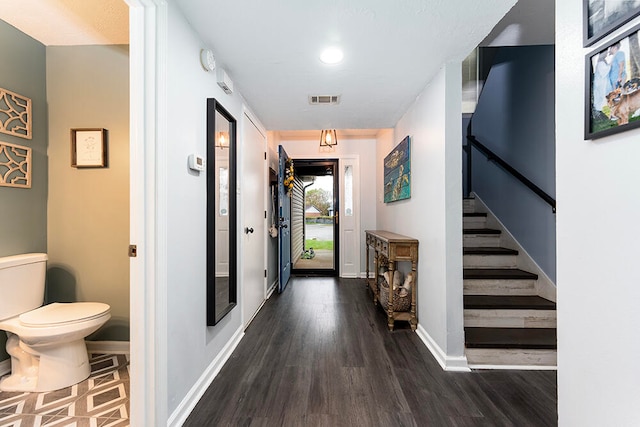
point(270, 48)
point(69, 22)
point(392, 50)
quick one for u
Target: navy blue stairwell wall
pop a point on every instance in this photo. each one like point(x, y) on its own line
point(515, 118)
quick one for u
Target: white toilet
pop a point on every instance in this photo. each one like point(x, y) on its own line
point(46, 343)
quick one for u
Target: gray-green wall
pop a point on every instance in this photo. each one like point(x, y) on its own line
point(80, 217)
point(23, 212)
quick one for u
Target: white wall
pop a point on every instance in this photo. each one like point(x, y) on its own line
point(361, 147)
point(433, 214)
point(597, 250)
point(192, 346)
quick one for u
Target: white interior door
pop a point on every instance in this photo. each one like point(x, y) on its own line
point(254, 226)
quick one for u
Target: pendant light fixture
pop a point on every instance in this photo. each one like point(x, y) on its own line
point(222, 140)
point(328, 138)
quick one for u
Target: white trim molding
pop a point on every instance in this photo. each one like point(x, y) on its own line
point(272, 287)
point(108, 347)
point(104, 347)
point(189, 402)
point(148, 210)
point(447, 363)
point(515, 367)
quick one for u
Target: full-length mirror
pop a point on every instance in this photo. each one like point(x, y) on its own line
point(221, 212)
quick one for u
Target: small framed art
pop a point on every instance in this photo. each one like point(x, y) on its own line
point(89, 148)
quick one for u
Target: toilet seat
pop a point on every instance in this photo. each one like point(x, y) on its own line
point(57, 314)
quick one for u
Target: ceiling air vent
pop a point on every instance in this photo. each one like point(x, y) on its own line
point(324, 99)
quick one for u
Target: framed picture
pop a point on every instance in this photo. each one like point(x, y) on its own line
point(89, 148)
point(600, 17)
point(612, 86)
point(397, 172)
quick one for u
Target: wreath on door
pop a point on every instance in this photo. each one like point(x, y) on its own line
point(288, 180)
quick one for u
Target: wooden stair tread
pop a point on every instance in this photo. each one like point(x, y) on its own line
point(480, 231)
point(505, 338)
point(498, 273)
point(508, 302)
point(474, 214)
point(488, 251)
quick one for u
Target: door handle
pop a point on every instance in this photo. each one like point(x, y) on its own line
point(248, 230)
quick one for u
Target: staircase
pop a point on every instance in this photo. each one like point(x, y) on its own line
point(506, 323)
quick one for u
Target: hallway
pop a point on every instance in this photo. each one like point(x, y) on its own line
point(320, 354)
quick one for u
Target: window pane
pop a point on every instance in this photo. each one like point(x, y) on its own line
point(348, 190)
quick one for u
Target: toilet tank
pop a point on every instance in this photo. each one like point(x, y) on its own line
point(21, 283)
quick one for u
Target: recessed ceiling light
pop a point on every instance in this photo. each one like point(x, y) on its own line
point(332, 55)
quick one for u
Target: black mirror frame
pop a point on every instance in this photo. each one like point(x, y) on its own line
point(212, 316)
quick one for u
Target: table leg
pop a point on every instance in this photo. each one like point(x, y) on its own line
point(374, 288)
point(390, 308)
point(367, 277)
point(414, 291)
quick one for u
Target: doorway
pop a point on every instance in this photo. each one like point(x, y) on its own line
point(314, 218)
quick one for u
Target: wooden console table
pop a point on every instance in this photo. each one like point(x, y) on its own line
point(395, 248)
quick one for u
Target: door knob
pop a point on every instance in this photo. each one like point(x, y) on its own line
point(248, 230)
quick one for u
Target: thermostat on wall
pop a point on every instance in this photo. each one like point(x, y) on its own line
point(196, 162)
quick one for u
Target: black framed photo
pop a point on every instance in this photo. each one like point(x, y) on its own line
point(600, 17)
point(89, 148)
point(612, 86)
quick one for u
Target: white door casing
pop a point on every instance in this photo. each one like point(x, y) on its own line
point(254, 222)
point(148, 211)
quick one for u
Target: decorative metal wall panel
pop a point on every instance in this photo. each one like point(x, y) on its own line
point(15, 165)
point(15, 114)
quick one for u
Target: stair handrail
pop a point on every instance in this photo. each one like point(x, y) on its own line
point(491, 156)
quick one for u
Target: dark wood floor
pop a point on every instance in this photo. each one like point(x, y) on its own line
point(320, 354)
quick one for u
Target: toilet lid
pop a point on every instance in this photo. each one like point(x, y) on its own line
point(60, 313)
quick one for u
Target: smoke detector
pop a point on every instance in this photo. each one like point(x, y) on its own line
point(324, 99)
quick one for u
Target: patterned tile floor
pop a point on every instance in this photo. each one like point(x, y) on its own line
point(102, 400)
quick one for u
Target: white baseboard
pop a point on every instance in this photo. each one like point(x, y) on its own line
point(5, 367)
point(179, 416)
point(447, 363)
point(108, 347)
point(514, 367)
point(272, 288)
point(102, 347)
point(254, 314)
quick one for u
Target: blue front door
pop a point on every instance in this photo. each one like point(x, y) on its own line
point(284, 198)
